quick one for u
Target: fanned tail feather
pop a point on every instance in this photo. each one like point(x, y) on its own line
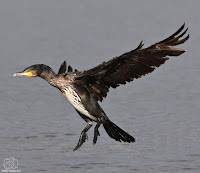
point(116, 132)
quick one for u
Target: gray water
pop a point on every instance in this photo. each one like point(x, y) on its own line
point(39, 128)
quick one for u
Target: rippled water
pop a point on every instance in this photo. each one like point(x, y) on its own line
point(39, 128)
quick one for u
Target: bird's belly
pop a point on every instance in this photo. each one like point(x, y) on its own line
point(76, 102)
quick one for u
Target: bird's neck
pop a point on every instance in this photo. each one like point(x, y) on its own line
point(50, 76)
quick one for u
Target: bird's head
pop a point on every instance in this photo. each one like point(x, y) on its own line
point(34, 71)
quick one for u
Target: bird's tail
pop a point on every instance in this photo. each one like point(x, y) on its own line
point(116, 132)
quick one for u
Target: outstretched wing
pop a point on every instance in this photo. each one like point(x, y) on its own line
point(131, 65)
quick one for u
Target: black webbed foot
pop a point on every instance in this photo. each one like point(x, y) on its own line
point(96, 132)
point(82, 139)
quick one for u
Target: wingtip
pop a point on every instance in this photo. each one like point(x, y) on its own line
point(140, 45)
point(64, 63)
point(70, 69)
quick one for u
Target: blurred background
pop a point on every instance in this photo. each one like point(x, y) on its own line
point(39, 128)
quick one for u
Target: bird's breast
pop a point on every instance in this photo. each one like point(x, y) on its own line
point(76, 102)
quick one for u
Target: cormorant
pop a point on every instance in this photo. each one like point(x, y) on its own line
point(83, 89)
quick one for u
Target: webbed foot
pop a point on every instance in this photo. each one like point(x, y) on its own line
point(82, 139)
point(96, 132)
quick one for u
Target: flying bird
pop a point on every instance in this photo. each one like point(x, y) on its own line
point(84, 89)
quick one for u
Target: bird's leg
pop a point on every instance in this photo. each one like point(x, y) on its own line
point(96, 131)
point(83, 136)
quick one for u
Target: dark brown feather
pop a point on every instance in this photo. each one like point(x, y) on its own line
point(69, 69)
point(62, 68)
point(131, 65)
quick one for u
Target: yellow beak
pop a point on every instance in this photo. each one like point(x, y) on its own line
point(27, 74)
